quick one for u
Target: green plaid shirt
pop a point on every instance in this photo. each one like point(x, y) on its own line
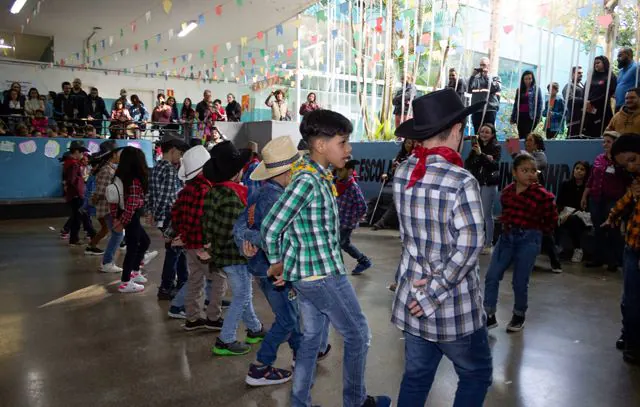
point(221, 209)
point(302, 230)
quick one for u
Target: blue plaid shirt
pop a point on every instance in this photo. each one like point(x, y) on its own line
point(164, 186)
point(442, 230)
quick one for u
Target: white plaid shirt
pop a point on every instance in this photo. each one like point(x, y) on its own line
point(442, 231)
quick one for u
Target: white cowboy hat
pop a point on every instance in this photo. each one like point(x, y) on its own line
point(192, 162)
point(277, 157)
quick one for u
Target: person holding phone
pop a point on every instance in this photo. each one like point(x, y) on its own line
point(484, 88)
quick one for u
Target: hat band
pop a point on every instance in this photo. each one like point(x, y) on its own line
point(193, 172)
point(282, 163)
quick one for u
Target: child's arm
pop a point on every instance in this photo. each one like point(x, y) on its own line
point(620, 207)
point(359, 201)
point(132, 203)
point(549, 214)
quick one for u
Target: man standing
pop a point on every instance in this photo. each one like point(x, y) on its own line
point(438, 302)
point(123, 98)
point(458, 84)
point(63, 104)
point(203, 107)
point(402, 100)
point(484, 89)
point(628, 76)
point(627, 120)
point(573, 94)
point(79, 97)
point(96, 110)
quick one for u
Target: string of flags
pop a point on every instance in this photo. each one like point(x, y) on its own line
point(30, 16)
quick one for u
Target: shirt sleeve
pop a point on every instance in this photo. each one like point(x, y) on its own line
point(620, 206)
point(549, 214)
point(297, 196)
point(208, 215)
point(468, 226)
point(132, 203)
point(360, 202)
point(166, 192)
point(102, 181)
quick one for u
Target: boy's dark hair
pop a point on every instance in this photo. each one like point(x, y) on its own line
point(160, 94)
point(635, 90)
point(65, 83)
point(52, 94)
point(626, 143)
point(218, 101)
point(351, 164)
point(521, 159)
point(133, 165)
point(325, 124)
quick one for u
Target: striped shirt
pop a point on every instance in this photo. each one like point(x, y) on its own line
point(441, 226)
point(302, 230)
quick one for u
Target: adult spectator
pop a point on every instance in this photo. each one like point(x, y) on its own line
point(48, 107)
point(175, 115)
point(187, 116)
point(527, 105)
point(553, 111)
point(33, 103)
point(310, 105)
point(627, 120)
point(484, 88)
point(79, 98)
point(63, 105)
point(14, 108)
point(123, 98)
point(202, 108)
point(139, 113)
point(402, 100)
point(96, 110)
point(161, 115)
point(278, 106)
point(233, 109)
point(603, 87)
point(458, 84)
point(18, 88)
point(573, 94)
point(120, 118)
point(628, 76)
point(218, 114)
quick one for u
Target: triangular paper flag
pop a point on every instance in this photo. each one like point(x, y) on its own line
point(260, 35)
point(170, 33)
point(605, 20)
point(166, 6)
point(218, 10)
point(228, 46)
point(243, 41)
point(239, 3)
point(507, 28)
point(147, 16)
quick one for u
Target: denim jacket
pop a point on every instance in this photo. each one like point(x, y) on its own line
point(247, 226)
point(535, 105)
point(556, 116)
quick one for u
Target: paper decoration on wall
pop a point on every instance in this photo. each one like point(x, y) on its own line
point(584, 12)
point(239, 3)
point(28, 147)
point(426, 38)
point(166, 6)
point(51, 149)
point(7, 146)
point(147, 16)
point(260, 35)
point(508, 28)
point(93, 147)
point(228, 46)
point(134, 144)
point(605, 20)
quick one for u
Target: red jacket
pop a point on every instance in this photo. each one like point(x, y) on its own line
point(72, 177)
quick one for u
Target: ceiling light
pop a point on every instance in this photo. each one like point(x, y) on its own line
point(17, 6)
point(186, 29)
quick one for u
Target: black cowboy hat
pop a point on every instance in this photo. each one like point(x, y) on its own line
point(226, 161)
point(78, 145)
point(107, 148)
point(171, 138)
point(435, 112)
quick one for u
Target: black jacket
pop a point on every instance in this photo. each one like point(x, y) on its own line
point(63, 106)
point(569, 194)
point(487, 172)
point(99, 112)
point(79, 99)
point(478, 82)
point(460, 88)
point(234, 111)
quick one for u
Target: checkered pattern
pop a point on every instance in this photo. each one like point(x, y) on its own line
point(222, 207)
point(534, 208)
point(164, 185)
point(351, 206)
point(627, 204)
point(302, 230)
point(133, 200)
point(187, 212)
point(441, 226)
point(103, 179)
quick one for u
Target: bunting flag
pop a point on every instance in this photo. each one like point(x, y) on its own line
point(219, 10)
point(166, 6)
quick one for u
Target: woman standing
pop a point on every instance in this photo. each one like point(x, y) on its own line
point(602, 89)
point(310, 105)
point(233, 109)
point(554, 112)
point(187, 116)
point(139, 113)
point(484, 163)
point(120, 117)
point(175, 117)
point(33, 103)
point(278, 107)
point(527, 105)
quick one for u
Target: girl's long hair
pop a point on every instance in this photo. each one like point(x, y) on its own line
point(587, 168)
point(133, 165)
point(523, 87)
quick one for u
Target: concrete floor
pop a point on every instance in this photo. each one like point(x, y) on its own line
point(67, 338)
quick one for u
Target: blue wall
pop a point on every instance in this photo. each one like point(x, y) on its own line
point(27, 173)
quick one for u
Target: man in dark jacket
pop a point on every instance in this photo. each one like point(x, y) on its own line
point(234, 110)
point(400, 109)
point(63, 106)
point(458, 84)
point(96, 110)
point(484, 88)
point(203, 106)
point(79, 98)
point(573, 93)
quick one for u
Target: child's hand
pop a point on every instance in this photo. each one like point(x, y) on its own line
point(275, 270)
point(607, 224)
point(203, 256)
point(177, 242)
point(248, 249)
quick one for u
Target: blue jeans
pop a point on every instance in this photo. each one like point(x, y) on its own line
point(286, 326)
point(331, 298)
point(520, 248)
point(631, 299)
point(241, 303)
point(348, 247)
point(488, 196)
point(178, 300)
point(175, 262)
point(471, 357)
point(113, 244)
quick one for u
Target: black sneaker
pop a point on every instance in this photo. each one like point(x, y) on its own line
point(378, 401)
point(195, 325)
point(516, 324)
point(266, 375)
point(255, 337)
point(620, 343)
point(492, 322)
point(93, 251)
point(164, 295)
point(323, 355)
point(214, 325)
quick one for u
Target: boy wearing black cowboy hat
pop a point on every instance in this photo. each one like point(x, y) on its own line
point(438, 301)
point(74, 185)
point(223, 205)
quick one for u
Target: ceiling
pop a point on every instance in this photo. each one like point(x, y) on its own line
point(70, 22)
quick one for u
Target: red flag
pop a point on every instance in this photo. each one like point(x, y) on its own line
point(218, 10)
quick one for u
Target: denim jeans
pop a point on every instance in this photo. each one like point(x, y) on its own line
point(175, 263)
point(331, 298)
point(347, 246)
point(609, 241)
point(631, 299)
point(241, 303)
point(488, 194)
point(471, 358)
point(113, 244)
point(178, 300)
point(287, 325)
point(520, 248)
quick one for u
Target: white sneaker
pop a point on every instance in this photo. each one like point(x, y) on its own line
point(149, 256)
point(577, 256)
point(130, 287)
point(110, 268)
point(138, 277)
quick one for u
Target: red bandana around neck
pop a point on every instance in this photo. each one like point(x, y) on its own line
point(422, 153)
point(241, 191)
point(342, 186)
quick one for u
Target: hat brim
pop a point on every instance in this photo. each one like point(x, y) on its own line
point(407, 129)
point(214, 174)
point(262, 173)
point(106, 154)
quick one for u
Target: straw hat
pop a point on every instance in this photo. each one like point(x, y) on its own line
point(277, 157)
point(192, 162)
point(613, 134)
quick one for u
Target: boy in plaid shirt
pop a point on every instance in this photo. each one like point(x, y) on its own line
point(302, 240)
point(351, 207)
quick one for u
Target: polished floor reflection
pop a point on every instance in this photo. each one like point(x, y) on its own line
point(67, 338)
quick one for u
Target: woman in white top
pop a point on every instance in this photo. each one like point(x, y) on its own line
point(278, 107)
point(33, 103)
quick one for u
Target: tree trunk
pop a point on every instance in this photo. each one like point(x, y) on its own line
point(494, 36)
point(612, 29)
point(360, 54)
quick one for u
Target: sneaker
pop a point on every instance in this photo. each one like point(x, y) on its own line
point(123, 246)
point(492, 322)
point(164, 295)
point(130, 287)
point(557, 269)
point(177, 313)
point(138, 277)
point(194, 325)
point(620, 343)
point(516, 324)
point(323, 355)
point(362, 266)
point(93, 251)
point(64, 235)
point(487, 250)
point(392, 287)
point(214, 325)
point(378, 401)
point(255, 337)
point(266, 376)
point(110, 268)
point(577, 256)
point(230, 349)
point(149, 256)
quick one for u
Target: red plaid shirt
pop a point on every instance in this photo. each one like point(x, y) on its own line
point(533, 208)
point(186, 214)
point(133, 200)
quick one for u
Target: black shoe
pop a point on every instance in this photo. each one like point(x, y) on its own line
point(377, 227)
point(93, 251)
point(631, 356)
point(226, 304)
point(492, 322)
point(593, 264)
point(516, 324)
point(214, 325)
point(255, 337)
point(164, 295)
point(323, 355)
point(620, 344)
point(194, 325)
